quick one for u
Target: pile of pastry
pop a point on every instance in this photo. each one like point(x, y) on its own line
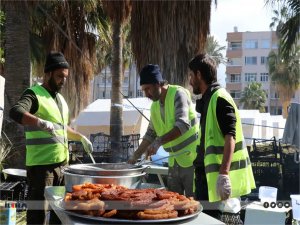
point(115, 201)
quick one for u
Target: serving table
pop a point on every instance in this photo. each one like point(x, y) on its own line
point(54, 194)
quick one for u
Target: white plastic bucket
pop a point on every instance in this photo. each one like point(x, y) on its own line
point(296, 206)
point(267, 194)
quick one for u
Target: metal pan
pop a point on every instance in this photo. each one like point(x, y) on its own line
point(105, 169)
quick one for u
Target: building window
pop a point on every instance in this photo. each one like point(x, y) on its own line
point(264, 77)
point(103, 80)
point(251, 44)
point(235, 45)
point(249, 77)
point(126, 80)
point(263, 60)
point(234, 62)
point(265, 43)
point(274, 95)
point(139, 93)
point(235, 78)
point(235, 94)
point(274, 46)
point(250, 60)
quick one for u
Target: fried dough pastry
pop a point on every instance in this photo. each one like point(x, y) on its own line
point(109, 200)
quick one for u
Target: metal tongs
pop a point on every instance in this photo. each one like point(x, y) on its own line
point(55, 136)
point(142, 162)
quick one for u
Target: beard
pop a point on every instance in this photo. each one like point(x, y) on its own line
point(196, 90)
point(54, 87)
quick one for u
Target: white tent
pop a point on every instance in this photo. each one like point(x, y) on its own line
point(251, 123)
point(95, 117)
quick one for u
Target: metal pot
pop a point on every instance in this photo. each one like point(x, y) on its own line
point(105, 169)
point(130, 181)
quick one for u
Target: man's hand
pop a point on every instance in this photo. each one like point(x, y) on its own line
point(154, 146)
point(45, 125)
point(87, 145)
point(223, 186)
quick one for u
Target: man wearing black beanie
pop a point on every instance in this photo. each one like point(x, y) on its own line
point(45, 114)
point(173, 125)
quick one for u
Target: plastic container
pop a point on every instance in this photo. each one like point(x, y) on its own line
point(267, 194)
point(296, 206)
point(8, 214)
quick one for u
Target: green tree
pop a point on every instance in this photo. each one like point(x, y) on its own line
point(288, 23)
point(213, 49)
point(286, 75)
point(253, 97)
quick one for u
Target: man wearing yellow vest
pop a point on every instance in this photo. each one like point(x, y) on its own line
point(173, 124)
point(45, 115)
point(223, 170)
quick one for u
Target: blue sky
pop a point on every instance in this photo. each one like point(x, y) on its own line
point(247, 15)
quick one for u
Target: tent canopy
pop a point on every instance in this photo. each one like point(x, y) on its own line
point(96, 116)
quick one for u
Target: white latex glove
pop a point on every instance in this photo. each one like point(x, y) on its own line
point(45, 125)
point(87, 145)
point(223, 186)
point(154, 146)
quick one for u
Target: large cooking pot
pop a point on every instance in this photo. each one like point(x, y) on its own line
point(105, 169)
point(130, 181)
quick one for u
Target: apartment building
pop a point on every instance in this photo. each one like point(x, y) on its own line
point(102, 83)
point(247, 54)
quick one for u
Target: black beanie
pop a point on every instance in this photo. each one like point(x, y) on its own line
point(55, 60)
point(150, 74)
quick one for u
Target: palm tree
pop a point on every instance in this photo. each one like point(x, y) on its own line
point(288, 24)
point(169, 33)
point(285, 74)
point(16, 69)
point(253, 97)
point(213, 49)
point(118, 12)
point(69, 27)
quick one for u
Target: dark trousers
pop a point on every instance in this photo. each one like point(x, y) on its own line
point(201, 194)
point(38, 177)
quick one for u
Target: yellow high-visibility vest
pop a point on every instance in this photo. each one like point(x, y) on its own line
point(241, 175)
point(187, 141)
point(42, 148)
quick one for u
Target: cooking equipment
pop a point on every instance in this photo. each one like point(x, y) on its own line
point(105, 169)
point(142, 162)
point(130, 181)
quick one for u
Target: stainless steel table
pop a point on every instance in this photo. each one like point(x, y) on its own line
point(53, 194)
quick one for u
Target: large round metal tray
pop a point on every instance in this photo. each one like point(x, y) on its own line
point(105, 169)
point(59, 204)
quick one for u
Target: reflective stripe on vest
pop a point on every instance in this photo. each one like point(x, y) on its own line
point(43, 148)
point(241, 175)
point(186, 141)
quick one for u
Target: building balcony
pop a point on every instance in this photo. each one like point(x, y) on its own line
point(234, 53)
point(231, 69)
point(233, 86)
